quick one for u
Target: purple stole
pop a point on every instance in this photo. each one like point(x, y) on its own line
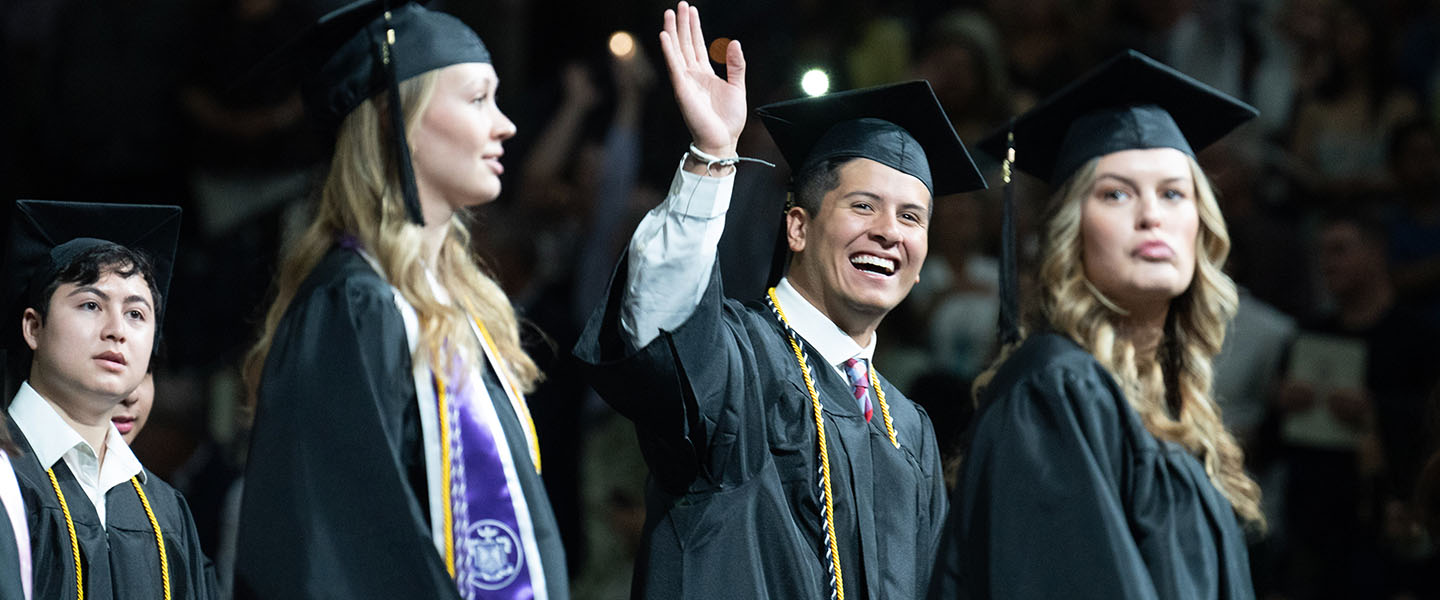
point(493, 543)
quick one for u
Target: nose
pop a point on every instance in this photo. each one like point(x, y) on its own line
point(1148, 211)
point(885, 229)
point(114, 326)
point(504, 128)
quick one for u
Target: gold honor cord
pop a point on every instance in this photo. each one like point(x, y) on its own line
point(445, 473)
point(75, 544)
point(884, 408)
point(159, 539)
point(837, 590)
point(837, 577)
point(524, 407)
point(444, 411)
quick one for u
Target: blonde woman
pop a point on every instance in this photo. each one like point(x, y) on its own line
point(392, 454)
point(1098, 466)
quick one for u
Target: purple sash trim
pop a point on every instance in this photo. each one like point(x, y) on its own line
point(349, 242)
point(489, 550)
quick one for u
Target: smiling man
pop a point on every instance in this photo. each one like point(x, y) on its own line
point(88, 310)
point(782, 465)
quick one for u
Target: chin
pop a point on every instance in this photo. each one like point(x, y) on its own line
point(874, 302)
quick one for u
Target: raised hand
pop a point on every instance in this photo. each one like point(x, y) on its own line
point(714, 108)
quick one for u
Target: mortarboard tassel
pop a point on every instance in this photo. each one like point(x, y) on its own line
point(397, 126)
point(1009, 280)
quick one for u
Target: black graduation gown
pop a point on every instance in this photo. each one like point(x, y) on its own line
point(10, 585)
point(335, 502)
point(732, 504)
point(1065, 494)
point(121, 561)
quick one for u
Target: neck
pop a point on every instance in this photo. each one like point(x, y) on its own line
point(87, 418)
point(433, 237)
point(1145, 329)
point(860, 328)
point(1364, 305)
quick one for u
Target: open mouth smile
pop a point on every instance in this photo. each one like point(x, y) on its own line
point(873, 264)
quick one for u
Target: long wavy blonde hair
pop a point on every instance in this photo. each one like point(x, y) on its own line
point(1172, 392)
point(362, 198)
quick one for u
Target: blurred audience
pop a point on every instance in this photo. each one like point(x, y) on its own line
point(1332, 198)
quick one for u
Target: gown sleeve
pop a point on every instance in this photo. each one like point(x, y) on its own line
point(1041, 507)
point(678, 387)
point(9, 555)
point(198, 567)
point(328, 511)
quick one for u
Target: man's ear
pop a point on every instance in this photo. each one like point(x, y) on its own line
point(30, 326)
point(797, 225)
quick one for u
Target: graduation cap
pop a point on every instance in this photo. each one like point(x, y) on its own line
point(901, 126)
point(362, 48)
point(46, 237)
point(1129, 102)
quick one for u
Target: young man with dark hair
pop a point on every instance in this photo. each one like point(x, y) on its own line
point(782, 465)
point(88, 311)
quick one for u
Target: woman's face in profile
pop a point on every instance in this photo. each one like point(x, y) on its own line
point(457, 144)
point(1138, 225)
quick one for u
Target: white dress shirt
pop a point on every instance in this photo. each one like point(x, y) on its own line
point(671, 257)
point(672, 254)
point(53, 440)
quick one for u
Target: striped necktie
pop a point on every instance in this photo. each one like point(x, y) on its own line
point(860, 381)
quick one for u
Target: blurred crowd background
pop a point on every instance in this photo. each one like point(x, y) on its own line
point(1332, 198)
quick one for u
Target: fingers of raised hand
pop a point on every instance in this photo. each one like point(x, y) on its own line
point(697, 38)
point(684, 33)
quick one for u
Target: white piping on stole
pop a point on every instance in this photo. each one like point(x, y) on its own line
point(512, 479)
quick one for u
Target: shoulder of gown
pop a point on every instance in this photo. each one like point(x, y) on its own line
point(330, 429)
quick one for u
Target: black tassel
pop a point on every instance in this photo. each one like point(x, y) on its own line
point(1009, 278)
point(397, 127)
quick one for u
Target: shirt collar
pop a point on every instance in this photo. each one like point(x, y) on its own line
point(51, 437)
point(834, 345)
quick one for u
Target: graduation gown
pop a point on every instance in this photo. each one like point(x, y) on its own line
point(120, 561)
point(732, 505)
point(10, 585)
point(335, 502)
point(1065, 494)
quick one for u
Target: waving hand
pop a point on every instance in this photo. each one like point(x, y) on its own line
point(714, 108)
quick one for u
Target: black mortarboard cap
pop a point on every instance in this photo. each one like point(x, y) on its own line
point(901, 126)
point(362, 48)
point(1130, 102)
point(46, 236)
point(344, 53)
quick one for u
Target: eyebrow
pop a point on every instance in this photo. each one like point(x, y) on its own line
point(903, 205)
point(90, 289)
point(1131, 182)
point(484, 82)
point(864, 193)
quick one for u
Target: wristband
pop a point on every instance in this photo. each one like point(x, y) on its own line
point(712, 161)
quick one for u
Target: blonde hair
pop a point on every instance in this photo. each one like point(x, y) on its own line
point(362, 198)
point(1179, 378)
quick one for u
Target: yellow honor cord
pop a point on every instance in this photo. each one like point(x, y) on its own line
point(884, 408)
point(445, 451)
point(159, 539)
point(75, 543)
point(524, 407)
point(824, 451)
point(445, 474)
